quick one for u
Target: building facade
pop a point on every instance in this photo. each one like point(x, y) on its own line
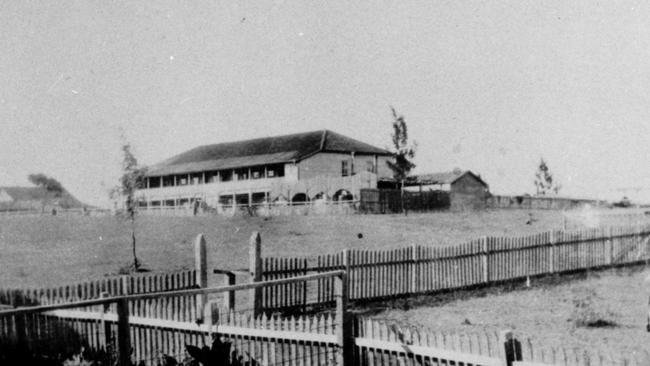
point(290, 169)
point(465, 190)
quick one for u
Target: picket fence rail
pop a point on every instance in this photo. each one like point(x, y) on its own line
point(420, 269)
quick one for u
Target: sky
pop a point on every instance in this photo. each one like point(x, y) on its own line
point(487, 86)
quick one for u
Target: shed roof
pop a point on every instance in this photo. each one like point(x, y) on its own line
point(261, 151)
point(441, 178)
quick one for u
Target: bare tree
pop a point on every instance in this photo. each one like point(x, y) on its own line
point(403, 152)
point(133, 178)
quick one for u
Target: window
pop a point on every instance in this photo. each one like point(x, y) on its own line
point(225, 200)
point(370, 166)
point(273, 171)
point(242, 174)
point(196, 178)
point(168, 181)
point(155, 182)
point(345, 168)
point(226, 175)
point(257, 173)
point(258, 197)
point(212, 177)
point(242, 199)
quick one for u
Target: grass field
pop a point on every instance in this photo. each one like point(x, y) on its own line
point(549, 312)
point(53, 250)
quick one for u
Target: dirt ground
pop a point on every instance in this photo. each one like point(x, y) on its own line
point(553, 312)
point(51, 250)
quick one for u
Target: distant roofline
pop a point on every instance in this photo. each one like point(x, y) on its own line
point(175, 165)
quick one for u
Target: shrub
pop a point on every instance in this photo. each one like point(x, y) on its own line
point(588, 313)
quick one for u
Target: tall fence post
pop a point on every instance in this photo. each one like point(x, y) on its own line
point(415, 266)
point(123, 336)
point(255, 263)
point(485, 259)
point(229, 297)
point(344, 322)
point(201, 265)
point(551, 251)
point(511, 347)
point(105, 335)
point(347, 267)
point(610, 240)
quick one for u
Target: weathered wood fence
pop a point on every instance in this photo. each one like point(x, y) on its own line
point(302, 340)
point(106, 328)
point(418, 269)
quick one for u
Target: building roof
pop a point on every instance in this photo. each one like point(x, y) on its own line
point(25, 193)
point(441, 178)
point(261, 151)
point(21, 195)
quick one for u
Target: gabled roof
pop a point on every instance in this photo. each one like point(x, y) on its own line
point(261, 151)
point(441, 178)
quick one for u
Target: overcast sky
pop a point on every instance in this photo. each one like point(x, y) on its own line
point(490, 86)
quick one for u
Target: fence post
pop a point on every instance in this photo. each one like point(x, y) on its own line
point(123, 336)
point(200, 260)
point(19, 322)
point(415, 265)
point(229, 297)
point(126, 288)
point(344, 322)
point(255, 263)
point(105, 327)
point(484, 259)
point(347, 267)
point(610, 240)
point(511, 346)
point(551, 252)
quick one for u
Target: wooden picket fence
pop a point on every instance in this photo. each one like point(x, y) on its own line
point(419, 269)
point(181, 308)
point(106, 327)
point(109, 324)
point(300, 340)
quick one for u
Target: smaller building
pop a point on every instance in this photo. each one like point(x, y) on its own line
point(26, 199)
point(465, 190)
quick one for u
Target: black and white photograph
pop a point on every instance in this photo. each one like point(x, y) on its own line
point(309, 183)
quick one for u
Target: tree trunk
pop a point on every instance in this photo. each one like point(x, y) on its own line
point(404, 209)
point(136, 264)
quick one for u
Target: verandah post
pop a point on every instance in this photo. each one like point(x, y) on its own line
point(255, 267)
point(201, 266)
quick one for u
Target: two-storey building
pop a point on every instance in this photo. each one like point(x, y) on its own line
point(319, 165)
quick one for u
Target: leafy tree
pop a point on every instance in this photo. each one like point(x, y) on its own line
point(403, 152)
point(544, 180)
point(132, 179)
point(50, 184)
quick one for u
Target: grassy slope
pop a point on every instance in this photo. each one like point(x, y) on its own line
point(49, 250)
point(545, 312)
